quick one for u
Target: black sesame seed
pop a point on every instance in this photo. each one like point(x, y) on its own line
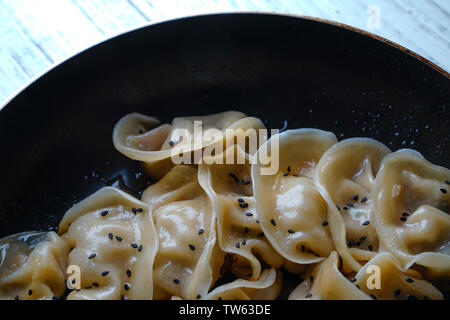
point(73, 281)
point(30, 292)
point(312, 252)
point(171, 143)
point(358, 287)
point(260, 235)
point(105, 273)
point(134, 245)
point(303, 248)
point(243, 205)
point(311, 279)
point(355, 197)
point(291, 231)
point(289, 169)
point(272, 221)
point(325, 223)
point(110, 236)
point(176, 281)
point(246, 230)
point(240, 200)
point(345, 208)
point(365, 223)
point(122, 297)
point(192, 247)
point(92, 256)
point(257, 221)
point(126, 286)
point(16, 298)
point(55, 298)
point(249, 275)
point(443, 190)
point(405, 214)
point(139, 210)
point(370, 247)
point(141, 131)
point(409, 280)
point(397, 292)
point(403, 219)
point(201, 231)
point(353, 280)
point(295, 174)
point(338, 208)
point(238, 245)
point(363, 238)
point(309, 295)
point(447, 182)
point(234, 177)
point(128, 273)
point(373, 297)
point(119, 238)
point(286, 174)
point(244, 242)
point(104, 213)
point(358, 243)
point(140, 248)
point(249, 214)
point(133, 210)
point(364, 199)
point(95, 284)
point(350, 205)
point(88, 287)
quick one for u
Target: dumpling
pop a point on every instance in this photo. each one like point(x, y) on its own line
point(394, 281)
point(292, 213)
point(114, 244)
point(143, 138)
point(267, 287)
point(345, 176)
point(229, 187)
point(188, 260)
point(33, 266)
point(180, 183)
point(412, 204)
point(326, 282)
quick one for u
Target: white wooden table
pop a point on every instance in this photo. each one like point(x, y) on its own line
point(36, 34)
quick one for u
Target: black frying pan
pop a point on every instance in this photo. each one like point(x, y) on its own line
point(56, 134)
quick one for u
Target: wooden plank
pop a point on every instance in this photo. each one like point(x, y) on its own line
point(58, 27)
point(19, 47)
point(111, 17)
point(12, 76)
